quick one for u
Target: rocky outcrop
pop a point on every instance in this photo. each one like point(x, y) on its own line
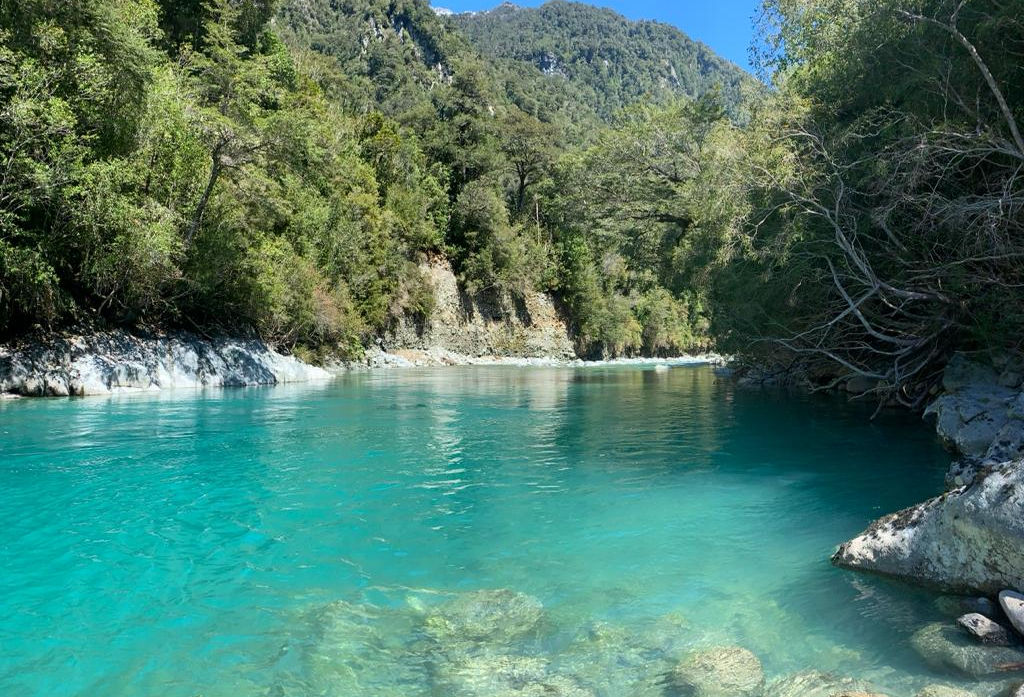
point(971, 538)
point(968, 540)
point(482, 325)
point(981, 414)
point(117, 361)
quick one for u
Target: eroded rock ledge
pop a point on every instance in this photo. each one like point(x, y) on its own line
point(971, 538)
point(116, 361)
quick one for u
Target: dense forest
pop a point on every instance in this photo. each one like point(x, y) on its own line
point(283, 166)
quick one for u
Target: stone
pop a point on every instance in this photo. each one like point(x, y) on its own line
point(729, 671)
point(943, 691)
point(945, 647)
point(1012, 603)
point(485, 616)
point(815, 684)
point(965, 541)
point(985, 630)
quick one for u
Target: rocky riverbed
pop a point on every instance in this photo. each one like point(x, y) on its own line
point(503, 643)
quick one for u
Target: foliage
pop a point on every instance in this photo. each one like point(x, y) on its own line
point(288, 166)
point(597, 58)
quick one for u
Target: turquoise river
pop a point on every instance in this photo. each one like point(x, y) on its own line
point(323, 540)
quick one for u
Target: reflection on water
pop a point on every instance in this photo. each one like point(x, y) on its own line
point(318, 540)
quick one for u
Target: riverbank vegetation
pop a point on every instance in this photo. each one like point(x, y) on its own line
point(286, 166)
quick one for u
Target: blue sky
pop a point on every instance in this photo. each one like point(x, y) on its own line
point(724, 25)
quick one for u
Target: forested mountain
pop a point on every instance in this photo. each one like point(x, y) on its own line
point(608, 61)
point(284, 167)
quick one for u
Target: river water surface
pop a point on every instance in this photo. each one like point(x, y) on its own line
point(300, 540)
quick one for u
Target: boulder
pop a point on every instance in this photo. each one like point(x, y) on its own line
point(986, 631)
point(945, 647)
point(1012, 603)
point(966, 541)
point(729, 671)
point(816, 684)
point(486, 616)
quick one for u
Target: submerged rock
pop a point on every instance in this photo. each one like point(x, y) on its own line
point(943, 691)
point(495, 675)
point(986, 631)
point(1012, 604)
point(816, 684)
point(729, 671)
point(947, 648)
point(485, 616)
point(612, 660)
point(968, 540)
point(357, 649)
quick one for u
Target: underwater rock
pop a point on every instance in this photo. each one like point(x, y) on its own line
point(359, 649)
point(943, 691)
point(1012, 603)
point(484, 616)
point(727, 671)
point(947, 648)
point(496, 675)
point(967, 540)
point(613, 661)
point(816, 684)
point(986, 631)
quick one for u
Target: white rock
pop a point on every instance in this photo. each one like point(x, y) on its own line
point(969, 540)
point(1012, 603)
point(117, 361)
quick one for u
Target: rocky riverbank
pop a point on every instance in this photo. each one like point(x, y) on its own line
point(117, 361)
point(970, 539)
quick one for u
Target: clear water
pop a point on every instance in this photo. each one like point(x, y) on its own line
point(291, 541)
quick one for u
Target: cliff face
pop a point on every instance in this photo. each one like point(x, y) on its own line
point(483, 325)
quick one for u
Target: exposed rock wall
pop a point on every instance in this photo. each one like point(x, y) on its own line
point(483, 325)
point(971, 538)
point(118, 361)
